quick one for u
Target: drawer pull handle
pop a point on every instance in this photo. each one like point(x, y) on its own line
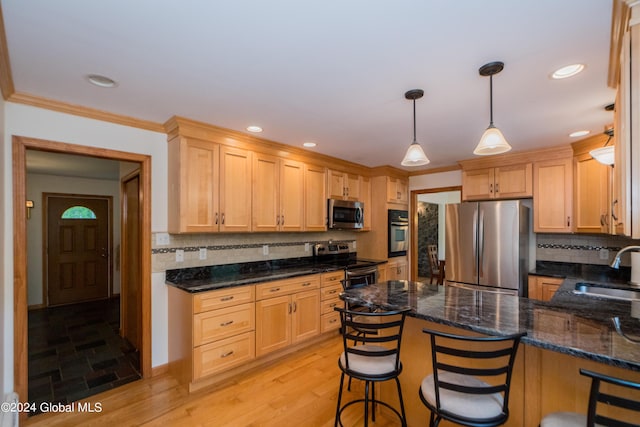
point(229, 298)
point(227, 354)
point(332, 305)
point(274, 289)
point(333, 320)
point(306, 284)
point(332, 292)
point(227, 323)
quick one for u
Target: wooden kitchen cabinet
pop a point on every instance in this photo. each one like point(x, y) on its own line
point(592, 195)
point(343, 185)
point(287, 312)
point(278, 194)
point(210, 332)
point(553, 195)
point(397, 190)
point(210, 187)
point(397, 269)
point(505, 182)
point(315, 198)
point(330, 288)
point(543, 287)
point(365, 197)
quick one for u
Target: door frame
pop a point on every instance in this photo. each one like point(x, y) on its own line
point(45, 239)
point(20, 145)
point(413, 255)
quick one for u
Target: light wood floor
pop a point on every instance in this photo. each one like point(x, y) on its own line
point(299, 390)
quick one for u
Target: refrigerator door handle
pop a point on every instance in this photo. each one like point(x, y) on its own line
point(481, 243)
point(475, 243)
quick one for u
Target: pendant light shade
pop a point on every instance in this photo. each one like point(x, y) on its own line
point(415, 154)
point(492, 140)
point(606, 153)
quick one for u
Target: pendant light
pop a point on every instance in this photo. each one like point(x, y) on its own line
point(492, 140)
point(415, 155)
point(606, 153)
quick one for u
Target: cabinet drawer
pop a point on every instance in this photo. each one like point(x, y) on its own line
point(212, 300)
point(332, 278)
point(329, 322)
point(222, 323)
point(330, 292)
point(286, 287)
point(224, 354)
point(329, 305)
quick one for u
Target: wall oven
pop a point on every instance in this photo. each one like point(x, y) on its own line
point(345, 214)
point(398, 232)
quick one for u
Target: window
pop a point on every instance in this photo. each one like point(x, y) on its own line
point(78, 212)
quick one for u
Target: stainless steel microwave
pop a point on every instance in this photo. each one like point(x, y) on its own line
point(345, 214)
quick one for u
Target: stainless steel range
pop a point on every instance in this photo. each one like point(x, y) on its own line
point(357, 271)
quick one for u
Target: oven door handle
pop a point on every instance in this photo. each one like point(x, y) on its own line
point(361, 271)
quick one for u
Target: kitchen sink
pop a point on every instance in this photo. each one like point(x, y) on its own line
point(593, 289)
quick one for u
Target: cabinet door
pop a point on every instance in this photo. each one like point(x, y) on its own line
point(397, 190)
point(315, 198)
point(235, 189)
point(553, 196)
point(543, 288)
point(365, 197)
point(397, 270)
point(592, 185)
point(265, 170)
point(193, 176)
point(291, 197)
point(353, 187)
point(273, 324)
point(478, 184)
point(513, 181)
point(305, 320)
point(336, 184)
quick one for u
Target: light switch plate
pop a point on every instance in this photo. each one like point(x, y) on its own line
point(162, 239)
point(306, 247)
point(203, 253)
point(604, 254)
point(179, 255)
point(265, 249)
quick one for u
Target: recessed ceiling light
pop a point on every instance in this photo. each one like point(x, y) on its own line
point(101, 81)
point(567, 71)
point(309, 144)
point(254, 129)
point(579, 133)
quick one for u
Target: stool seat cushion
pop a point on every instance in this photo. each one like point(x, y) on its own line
point(370, 365)
point(564, 419)
point(476, 406)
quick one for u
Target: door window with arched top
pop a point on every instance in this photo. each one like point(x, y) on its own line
point(78, 212)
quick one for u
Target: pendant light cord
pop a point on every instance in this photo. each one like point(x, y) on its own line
point(414, 120)
point(491, 100)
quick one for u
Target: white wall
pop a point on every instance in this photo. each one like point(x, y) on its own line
point(38, 184)
point(436, 180)
point(22, 120)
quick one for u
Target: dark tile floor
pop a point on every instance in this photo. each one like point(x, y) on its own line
point(75, 352)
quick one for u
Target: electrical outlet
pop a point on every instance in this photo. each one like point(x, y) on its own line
point(354, 245)
point(179, 255)
point(265, 249)
point(203, 253)
point(604, 254)
point(162, 239)
point(306, 247)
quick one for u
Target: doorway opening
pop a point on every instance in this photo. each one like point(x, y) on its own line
point(104, 310)
point(427, 211)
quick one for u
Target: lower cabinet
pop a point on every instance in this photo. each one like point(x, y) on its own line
point(287, 312)
point(397, 270)
point(543, 288)
point(330, 288)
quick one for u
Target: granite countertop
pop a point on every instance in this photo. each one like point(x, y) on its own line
point(201, 279)
point(585, 330)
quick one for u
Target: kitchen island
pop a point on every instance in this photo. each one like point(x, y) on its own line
point(563, 335)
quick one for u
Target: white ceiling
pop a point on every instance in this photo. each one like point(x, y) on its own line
point(329, 71)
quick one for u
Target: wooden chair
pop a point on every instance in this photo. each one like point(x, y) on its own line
point(618, 395)
point(378, 359)
point(434, 264)
point(469, 386)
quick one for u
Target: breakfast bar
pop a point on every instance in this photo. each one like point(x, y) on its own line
point(563, 335)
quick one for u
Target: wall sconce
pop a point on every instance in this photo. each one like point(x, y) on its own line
point(29, 204)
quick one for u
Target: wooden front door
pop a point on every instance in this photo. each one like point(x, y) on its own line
point(77, 230)
point(131, 303)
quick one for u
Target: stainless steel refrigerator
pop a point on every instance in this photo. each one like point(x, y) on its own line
point(487, 245)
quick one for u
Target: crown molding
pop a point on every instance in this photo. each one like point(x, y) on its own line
point(436, 170)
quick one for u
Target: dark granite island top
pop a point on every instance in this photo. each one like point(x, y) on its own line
point(572, 324)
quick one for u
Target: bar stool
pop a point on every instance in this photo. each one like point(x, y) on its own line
point(377, 359)
point(469, 386)
point(618, 396)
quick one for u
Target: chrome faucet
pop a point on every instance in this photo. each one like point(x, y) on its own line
point(616, 261)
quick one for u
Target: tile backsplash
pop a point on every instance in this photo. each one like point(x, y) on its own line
point(238, 247)
point(582, 248)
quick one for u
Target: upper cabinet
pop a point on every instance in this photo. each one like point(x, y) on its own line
point(214, 192)
point(592, 188)
point(278, 194)
point(343, 185)
point(315, 198)
point(505, 182)
point(397, 190)
point(553, 195)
